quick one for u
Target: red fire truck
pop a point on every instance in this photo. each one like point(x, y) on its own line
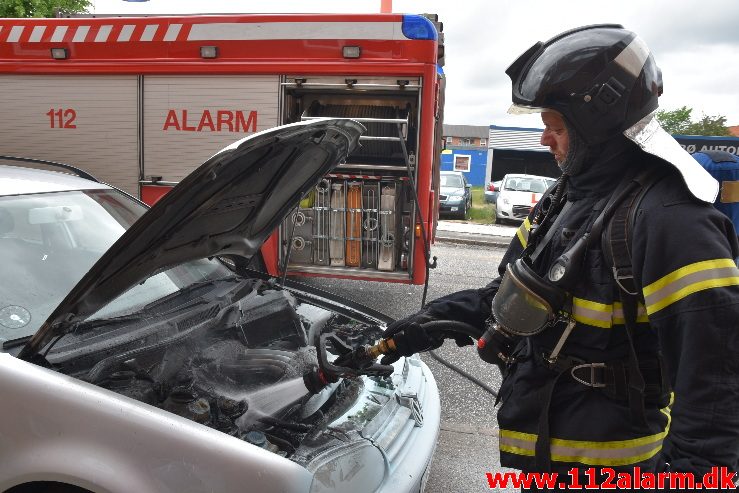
point(140, 101)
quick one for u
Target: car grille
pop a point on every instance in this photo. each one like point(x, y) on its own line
point(521, 210)
point(393, 425)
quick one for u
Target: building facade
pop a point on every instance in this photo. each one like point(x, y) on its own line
point(486, 154)
point(466, 150)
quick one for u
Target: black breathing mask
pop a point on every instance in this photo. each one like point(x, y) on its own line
point(528, 303)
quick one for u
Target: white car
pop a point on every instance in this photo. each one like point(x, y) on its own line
point(518, 194)
point(140, 353)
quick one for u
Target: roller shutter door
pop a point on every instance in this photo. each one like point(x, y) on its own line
point(187, 119)
point(83, 120)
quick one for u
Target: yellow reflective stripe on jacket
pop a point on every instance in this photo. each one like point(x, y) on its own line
point(523, 232)
point(603, 315)
point(614, 453)
point(688, 280)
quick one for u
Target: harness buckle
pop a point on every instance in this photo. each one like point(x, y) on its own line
point(592, 383)
point(625, 277)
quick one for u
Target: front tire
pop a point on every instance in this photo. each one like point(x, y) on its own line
point(463, 213)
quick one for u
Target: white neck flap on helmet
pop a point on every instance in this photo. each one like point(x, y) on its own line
point(652, 138)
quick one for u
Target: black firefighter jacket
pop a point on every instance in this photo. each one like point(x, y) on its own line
point(682, 255)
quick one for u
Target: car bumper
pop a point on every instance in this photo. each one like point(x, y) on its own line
point(451, 206)
point(515, 213)
point(410, 461)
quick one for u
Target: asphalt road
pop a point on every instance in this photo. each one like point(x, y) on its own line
point(467, 446)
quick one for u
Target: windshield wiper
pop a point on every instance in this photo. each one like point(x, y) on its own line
point(13, 343)
point(186, 290)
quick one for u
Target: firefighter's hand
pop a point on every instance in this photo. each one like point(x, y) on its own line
point(410, 337)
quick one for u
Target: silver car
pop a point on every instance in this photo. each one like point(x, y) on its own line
point(140, 351)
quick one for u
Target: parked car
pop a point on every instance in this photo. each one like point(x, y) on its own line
point(491, 191)
point(518, 194)
point(455, 194)
point(140, 352)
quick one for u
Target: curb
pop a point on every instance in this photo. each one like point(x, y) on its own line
point(469, 239)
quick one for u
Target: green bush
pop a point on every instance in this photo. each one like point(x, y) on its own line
point(481, 212)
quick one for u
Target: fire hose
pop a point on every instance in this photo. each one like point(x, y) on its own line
point(354, 362)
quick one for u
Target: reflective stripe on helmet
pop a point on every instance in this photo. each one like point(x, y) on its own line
point(609, 453)
point(633, 57)
point(603, 315)
point(690, 279)
point(523, 232)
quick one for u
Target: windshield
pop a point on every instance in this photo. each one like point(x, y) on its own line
point(48, 241)
point(523, 184)
point(451, 181)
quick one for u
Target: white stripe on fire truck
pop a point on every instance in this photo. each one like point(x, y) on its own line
point(15, 34)
point(172, 32)
point(149, 32)
point(81, 34)
point(59, 34)
point(103, 33)
point(225, 31)
point(126, 32)
point(37, 33)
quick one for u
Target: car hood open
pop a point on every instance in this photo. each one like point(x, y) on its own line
point(227, 206)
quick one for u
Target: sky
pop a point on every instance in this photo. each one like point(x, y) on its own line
point(695, 44)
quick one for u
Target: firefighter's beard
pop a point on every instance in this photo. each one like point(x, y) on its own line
point(577, 152)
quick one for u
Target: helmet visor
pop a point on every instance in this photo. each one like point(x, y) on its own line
point(520, 109)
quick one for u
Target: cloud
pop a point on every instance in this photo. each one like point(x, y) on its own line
point(694, 43)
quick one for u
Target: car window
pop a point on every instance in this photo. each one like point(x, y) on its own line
point(523, 184)
point(49, 241)
point(160, 285)
point(538, 186)
point(452, 181)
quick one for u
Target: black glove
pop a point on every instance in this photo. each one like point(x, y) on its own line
point(410, 338)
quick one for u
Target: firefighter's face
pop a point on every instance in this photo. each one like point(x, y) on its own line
point(555, 135)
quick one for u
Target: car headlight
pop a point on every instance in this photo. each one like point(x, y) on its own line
point(356, 467)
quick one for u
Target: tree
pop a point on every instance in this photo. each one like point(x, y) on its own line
point(675, 121)
point(42, 8)
point(679, 122)
point(709, 125)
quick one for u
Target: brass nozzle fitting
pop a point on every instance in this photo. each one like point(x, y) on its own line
point(385, 346)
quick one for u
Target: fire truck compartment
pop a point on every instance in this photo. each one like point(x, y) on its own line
point(358, 222)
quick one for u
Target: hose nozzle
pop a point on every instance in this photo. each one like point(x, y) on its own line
point(385, 346)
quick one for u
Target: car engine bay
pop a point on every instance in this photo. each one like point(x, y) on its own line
point(232, 358)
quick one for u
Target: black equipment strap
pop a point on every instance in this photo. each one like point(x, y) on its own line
point(552, 229)
point(542, 448)
point(617, 251)
point(616, 239)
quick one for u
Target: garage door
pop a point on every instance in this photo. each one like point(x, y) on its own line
point(87, 121)
point(187, 119)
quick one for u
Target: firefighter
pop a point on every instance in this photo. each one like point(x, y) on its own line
point(618, 343)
